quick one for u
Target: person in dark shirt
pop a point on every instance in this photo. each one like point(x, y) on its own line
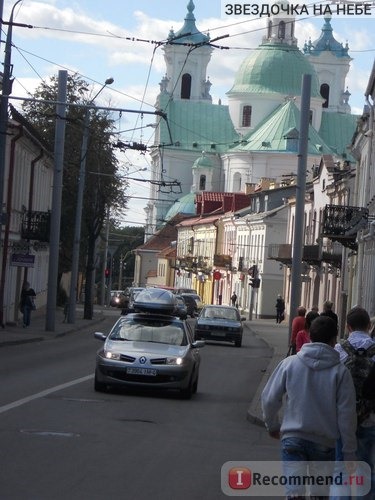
point(327, 311)
point(27, 303)
point(280, 308)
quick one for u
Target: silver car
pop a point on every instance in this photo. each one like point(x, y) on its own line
point(149, 350)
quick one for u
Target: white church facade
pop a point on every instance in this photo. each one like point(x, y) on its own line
point(224, 148)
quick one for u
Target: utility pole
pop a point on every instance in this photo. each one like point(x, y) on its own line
point(78, 221)
point(103, 296)
point(54, 244)
point(299, 221)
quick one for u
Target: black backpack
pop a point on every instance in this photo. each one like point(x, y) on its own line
point(361, 366)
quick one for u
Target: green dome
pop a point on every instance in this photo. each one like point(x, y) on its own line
point(274, 68)
point(183, 206)
point(203, 162)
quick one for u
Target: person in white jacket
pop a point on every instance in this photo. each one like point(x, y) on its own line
point(320, 407)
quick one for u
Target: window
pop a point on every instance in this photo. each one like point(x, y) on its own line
point(246, 116)
point(202, 183)
point(324, 92)
point(269, 34)
point(281, 33)
point(237, 181)
point(185, 86)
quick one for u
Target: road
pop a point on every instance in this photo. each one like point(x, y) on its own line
point(61, 440)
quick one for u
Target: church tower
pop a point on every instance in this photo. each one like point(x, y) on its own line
point(184, 95)
point(187, 54)
point(331, 62)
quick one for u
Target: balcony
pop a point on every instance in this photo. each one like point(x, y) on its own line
point(282, 252)
point(36, 226)
point(313, 255)
point(342, 223)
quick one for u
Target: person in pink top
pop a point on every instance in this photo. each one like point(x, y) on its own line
point(298, 324)
point(303, 336)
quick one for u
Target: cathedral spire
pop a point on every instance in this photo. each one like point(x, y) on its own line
point(189, 32)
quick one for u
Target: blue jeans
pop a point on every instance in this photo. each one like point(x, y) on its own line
point(365, 453)
point(299, 458)
point(26, 315)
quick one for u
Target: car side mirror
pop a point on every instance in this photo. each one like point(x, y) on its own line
point(243, 318)
point(198, 344)
point(100, 336)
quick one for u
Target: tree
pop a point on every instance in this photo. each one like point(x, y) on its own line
point(100, 190)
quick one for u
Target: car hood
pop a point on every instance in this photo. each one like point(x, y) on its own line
point(143, 348)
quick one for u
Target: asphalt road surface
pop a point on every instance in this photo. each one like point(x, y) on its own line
point(62, 440)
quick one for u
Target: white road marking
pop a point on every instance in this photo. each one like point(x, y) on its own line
point(41, 394)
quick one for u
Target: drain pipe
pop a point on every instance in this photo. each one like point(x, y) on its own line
point(361, 236)
point(31, 195)
point(7, 225)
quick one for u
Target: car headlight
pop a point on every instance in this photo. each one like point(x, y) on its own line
point(111, 355)
point(175, 361)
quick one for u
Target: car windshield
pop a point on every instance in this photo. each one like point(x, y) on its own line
point(220, 313)
point(150, 330)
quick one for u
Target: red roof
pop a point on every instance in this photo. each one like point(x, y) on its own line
point(208, 202)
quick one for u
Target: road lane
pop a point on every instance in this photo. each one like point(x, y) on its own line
point(72, 443)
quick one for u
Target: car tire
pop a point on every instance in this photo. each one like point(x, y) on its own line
point(195, 385)
point(99, 386)
point(188, 392)
point(238, 343)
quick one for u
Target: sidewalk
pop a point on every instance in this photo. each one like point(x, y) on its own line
point(36, 332)
point(276, 336)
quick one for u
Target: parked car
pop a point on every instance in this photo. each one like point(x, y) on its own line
point(150, 348)
point(185, 290)
point(222, 323)
point(193, 303)
point(181, 307)
point(117, 298)
point(130, 295)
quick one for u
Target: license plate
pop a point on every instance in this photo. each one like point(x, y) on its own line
point(219, 334)
point(142, 371)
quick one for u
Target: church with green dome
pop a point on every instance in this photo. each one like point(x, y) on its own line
point(225, 148)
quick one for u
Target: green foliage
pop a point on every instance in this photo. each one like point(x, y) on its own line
point(100, 190)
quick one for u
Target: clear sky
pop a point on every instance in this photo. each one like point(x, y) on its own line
point(114, 38)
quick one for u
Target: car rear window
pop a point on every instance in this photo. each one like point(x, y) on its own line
point(150, 330)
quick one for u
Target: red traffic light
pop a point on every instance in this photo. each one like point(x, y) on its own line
point(106, 272)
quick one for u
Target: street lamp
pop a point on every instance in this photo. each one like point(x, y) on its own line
point(77, 228)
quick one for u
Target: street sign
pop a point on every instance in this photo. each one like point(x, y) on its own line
point(22, 260)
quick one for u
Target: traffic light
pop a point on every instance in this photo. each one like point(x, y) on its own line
point(255, 282)
point(106, 272)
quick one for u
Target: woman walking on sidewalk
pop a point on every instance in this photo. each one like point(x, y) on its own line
point(27, 303)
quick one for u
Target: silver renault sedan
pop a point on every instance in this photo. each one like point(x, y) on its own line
point(149, 350)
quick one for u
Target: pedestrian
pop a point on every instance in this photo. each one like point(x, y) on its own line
point(328, 311)
point(315, 309)
point(298, 324)
point(303, 336)
point(318, 408)
point(357, 353)
point(234, 299)
point(280, 309)
point(27, 303)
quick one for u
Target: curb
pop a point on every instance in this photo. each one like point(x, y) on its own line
point(51, 335)
point(78, 328)
point(254, 412)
